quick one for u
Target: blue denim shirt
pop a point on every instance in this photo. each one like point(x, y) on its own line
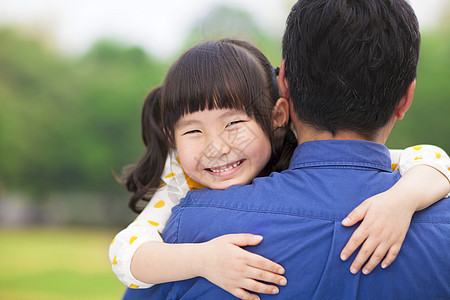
point(299, 213)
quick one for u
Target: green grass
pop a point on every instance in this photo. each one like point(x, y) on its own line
point(57, 264)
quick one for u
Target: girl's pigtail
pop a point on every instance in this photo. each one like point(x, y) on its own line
point(284, 143)
point(145, 176)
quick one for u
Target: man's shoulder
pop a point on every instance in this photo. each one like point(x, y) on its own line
point(260, 187)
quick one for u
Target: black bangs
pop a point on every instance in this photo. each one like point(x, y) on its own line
point(214, 75)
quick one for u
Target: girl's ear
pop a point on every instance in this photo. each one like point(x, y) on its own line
point(282, 82)
point(280, 113)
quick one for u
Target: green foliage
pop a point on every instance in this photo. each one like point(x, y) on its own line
point(66, 122)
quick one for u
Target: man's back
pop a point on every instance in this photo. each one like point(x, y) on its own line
point(299, 213)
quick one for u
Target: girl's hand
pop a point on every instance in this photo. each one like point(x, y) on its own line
point(239, 272)
point(387, 217)
point(386, 222)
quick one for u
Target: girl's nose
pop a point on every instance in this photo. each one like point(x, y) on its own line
point(217, 147)
point(225, 147)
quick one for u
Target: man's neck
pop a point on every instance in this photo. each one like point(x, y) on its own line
point(307, 133)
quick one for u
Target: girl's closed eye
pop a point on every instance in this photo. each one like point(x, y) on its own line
point(231, 124)
point(192, 132)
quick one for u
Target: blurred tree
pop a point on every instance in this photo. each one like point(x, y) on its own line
point(227, 22)
point(35, 87)
point(66, 122)
point(109, 103)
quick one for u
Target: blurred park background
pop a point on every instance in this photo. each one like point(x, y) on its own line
point(69, 120)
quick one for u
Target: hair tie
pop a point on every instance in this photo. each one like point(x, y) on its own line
point(275, 72)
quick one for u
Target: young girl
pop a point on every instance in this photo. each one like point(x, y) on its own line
point(220, 99)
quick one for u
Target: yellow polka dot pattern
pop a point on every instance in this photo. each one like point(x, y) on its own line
point(153, 223)
point(115, 260)
point(170, 175)
point(418, 147)
point(394, 167)
point(159, 204)
point(133, 286)
point(132, 239)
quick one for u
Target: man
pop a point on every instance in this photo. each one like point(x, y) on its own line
point(349, 72)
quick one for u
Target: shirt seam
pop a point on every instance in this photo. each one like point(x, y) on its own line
point(183, 206)
point(262, 211)
point(341, 164)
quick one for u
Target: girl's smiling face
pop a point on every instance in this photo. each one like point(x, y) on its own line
point(221, 147)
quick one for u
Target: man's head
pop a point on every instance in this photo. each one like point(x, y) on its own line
point(348, 63)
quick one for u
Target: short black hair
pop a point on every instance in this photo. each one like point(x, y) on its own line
point(349, 62)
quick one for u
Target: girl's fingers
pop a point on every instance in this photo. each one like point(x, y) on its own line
point(259, 287)
point(243, 294)
point(391, 256)
point(264, 264)
point(242, 239)
point(372, 250)
point(364, 253)
point(266, 276)
point(358, 237)
point(356, 214)
point(375, 259)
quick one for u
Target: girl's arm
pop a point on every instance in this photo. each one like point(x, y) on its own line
point(387, 216)
point(148, 225)
point(140, 258)
point(221, 261)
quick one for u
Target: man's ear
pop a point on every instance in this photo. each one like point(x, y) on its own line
point(405, 102)
point(280, 113)
point(282, 82)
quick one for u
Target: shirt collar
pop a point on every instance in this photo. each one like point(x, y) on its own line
point(341, 153)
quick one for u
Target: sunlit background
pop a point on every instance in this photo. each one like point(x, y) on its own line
point(73, 76)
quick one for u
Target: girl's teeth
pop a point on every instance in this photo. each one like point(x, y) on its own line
point(231, 166)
